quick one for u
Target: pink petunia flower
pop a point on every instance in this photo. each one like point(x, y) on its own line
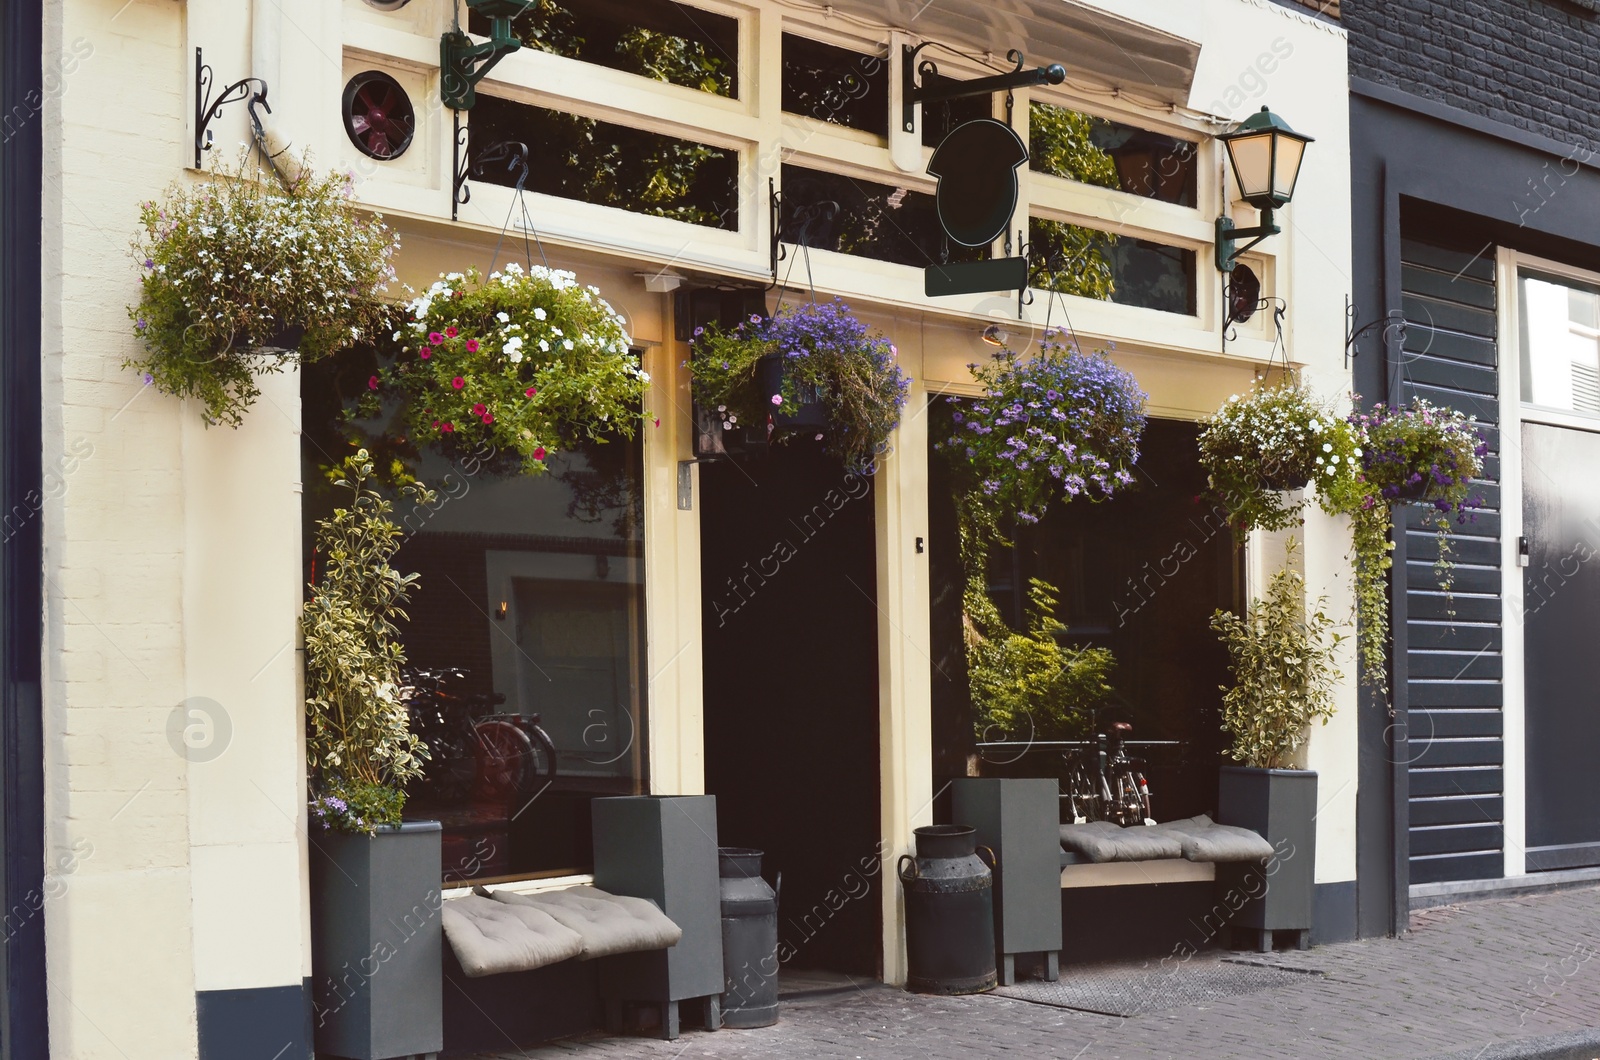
point(372, 383)
point(472, 345)
point(447, 427)
point(777, 399)
point(451, 332)
point(435, 338)
point(538, 454)
point(488, 418)
point(479, 409)
point(532, 390)
point(426, 354)
point(458, 382)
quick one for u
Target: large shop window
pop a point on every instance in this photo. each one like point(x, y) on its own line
point(609, 165)
point(830, 211)
point(1091, 263)
point(529, 611)
point(658, 39)
point(1140, 575)
point(1108, 154)
point(835, 85)
point(1560, 344)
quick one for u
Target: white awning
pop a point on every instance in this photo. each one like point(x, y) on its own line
point(1117, 51)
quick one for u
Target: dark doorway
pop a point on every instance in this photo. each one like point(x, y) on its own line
point(790, 624)
point(1561, 608)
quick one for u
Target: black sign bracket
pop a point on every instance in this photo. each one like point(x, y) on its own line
point(934, 87)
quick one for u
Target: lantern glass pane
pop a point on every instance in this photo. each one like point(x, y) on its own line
point(1252, 163)
point(1286, 166)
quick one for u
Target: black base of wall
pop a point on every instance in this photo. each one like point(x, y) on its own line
point(1140, 922)
point(515, 1010)
point(1333, 912)
point(266, 1023)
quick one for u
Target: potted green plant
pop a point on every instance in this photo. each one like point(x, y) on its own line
point(1281, 655)
point(241, 276)
point(376, 937)
point(1419, 454)
point(524, 361)
point(812, 368)
point(1259, 450)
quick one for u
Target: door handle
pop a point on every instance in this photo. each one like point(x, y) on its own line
point(1523, 555)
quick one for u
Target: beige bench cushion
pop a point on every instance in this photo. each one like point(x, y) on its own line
point(607, 923)
point(490, 937)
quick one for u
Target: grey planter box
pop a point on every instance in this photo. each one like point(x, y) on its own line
point(664, 848)
point(376, 943)
point(1281, 805)
point(1020, 821)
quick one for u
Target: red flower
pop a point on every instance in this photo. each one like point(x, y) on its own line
point(487, 418)
point(532, 390)
point(447, 427)
point(472, 345)
point(479, 409)
point(372, 383)
point(458, 382)
point(426, 355)
point(451, 332)
point(538, 454)
point(435, 338)
point(658, 421)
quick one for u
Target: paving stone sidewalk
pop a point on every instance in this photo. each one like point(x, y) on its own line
point(1465, 981)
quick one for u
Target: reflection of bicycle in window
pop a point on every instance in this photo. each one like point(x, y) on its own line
point(475, 752)
point(1111, 785)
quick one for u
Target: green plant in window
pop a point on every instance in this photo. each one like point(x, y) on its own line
point(675, 60)
point(1281, 655)
point(1065, 257)
point(1061, 143)
point(359, 743)
point(237, 265)
point(1028, 684)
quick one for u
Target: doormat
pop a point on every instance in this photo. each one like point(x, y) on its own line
point(1125, 991)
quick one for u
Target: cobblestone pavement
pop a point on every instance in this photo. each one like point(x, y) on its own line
point(1465, 978)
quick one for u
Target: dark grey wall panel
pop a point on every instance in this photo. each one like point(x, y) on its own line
point(1451, 663)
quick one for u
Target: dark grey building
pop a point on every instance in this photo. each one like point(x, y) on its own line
point(1476, 226)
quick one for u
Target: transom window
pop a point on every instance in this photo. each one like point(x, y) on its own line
point(1560, 344)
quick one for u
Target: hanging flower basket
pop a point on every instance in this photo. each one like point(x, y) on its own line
point(239, 266)
point(526, 361)
point(1060, 425)
point(811, 369)
point(1271, 442)
point(1418, 454)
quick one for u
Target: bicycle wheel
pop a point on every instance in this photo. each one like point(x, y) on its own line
point(504, 756)
point(1080, 791)
point(543, 764)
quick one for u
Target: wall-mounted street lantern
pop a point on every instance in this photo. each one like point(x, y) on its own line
point(462, 64)
point(1265, 154)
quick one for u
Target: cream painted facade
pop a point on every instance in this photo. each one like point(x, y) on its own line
point(172, 556)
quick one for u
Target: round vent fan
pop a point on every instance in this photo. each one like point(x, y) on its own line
point(378, 115)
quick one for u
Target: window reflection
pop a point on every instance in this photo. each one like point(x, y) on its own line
point(1087, 262)
point(835, 85)
point(1108, 154)
point(525, 639)
point(1560, 345)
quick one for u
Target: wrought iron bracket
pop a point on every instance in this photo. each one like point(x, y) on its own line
point(1394, 320)
point(206, 108)
point(462, 64)
point(807, 216)
point(934, 87)
point(776, 251)
point(513, 153)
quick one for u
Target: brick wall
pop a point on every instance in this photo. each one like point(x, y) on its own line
point(1534, 64)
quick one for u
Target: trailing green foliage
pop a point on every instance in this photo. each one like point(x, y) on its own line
point(359, 744)
point(1282, 661)
point(233, 263)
